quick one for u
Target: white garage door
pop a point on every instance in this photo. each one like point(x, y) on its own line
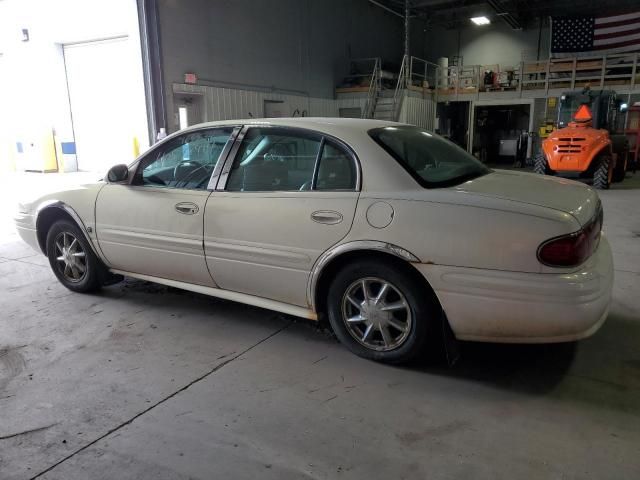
point(103, 102)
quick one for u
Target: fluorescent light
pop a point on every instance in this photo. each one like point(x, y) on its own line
point(480, 20)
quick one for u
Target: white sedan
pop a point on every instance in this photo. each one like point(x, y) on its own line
point(386, 229)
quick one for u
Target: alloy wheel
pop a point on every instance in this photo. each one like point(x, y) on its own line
point(71, 259)
point(376, 314)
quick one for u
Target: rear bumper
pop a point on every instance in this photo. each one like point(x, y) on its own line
point(512, 307)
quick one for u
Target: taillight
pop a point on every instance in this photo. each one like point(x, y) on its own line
point(573, 249)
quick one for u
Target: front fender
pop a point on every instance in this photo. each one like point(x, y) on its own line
point(48, 212)
point(76, 204)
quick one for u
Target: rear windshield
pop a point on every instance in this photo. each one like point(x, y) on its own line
point(433, 161)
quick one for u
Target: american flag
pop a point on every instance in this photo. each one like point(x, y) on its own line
point(595, 35)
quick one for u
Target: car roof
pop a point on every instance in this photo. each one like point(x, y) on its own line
point(338, 127)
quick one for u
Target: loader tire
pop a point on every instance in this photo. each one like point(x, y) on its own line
point(540, 165)
point(602, 175)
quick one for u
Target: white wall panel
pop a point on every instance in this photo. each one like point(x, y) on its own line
point(498, 44)
point(418, 111)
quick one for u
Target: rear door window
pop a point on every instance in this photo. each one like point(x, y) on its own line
point(336, 170)
point(275, 159)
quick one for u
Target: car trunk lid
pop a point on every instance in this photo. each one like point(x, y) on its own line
point(556, 193)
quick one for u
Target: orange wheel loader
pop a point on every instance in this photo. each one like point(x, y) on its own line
point(585, 145)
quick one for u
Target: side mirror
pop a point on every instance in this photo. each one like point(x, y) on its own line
point(118, 173)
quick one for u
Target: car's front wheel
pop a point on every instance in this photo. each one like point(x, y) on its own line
point(72, 259)
point(381, 312)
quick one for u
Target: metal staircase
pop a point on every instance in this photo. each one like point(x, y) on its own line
point(375, 86)
point(387, 102)
point(385, 106)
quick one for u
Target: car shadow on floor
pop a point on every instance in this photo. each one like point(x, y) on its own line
point(604, 366)
point(534, 369)
point(607, 359)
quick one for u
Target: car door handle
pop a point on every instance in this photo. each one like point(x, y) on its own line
point(187, 208)
point(328, 217)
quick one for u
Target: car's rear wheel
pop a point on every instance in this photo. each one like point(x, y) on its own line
point(602, 174)
point(381, 312)
point(72, 259)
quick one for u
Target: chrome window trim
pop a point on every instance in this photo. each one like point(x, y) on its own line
point(213, 181)
point(337, 250)
point(228, 163)
point(316, 165)
point(224, 177)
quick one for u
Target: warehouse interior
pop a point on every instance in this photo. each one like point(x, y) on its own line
point(141, 380)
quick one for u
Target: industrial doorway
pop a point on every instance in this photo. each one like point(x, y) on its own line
point(453, 122)
point(501, 132)
point(107, 102)
point(275, 109)
point(189, 109)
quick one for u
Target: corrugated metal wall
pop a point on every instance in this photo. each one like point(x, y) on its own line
point(418, 111)
point(228, 103)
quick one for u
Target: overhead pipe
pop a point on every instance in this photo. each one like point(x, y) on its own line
point(384, 7)
point(506, 16)
point(406, 28)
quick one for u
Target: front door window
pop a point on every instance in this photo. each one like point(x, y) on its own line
point(186, 161)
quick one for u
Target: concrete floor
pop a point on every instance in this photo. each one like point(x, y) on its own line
point(141, 381)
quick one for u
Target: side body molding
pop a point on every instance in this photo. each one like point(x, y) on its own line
point(338, 250)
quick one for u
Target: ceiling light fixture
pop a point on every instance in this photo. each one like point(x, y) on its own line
point(480, 20)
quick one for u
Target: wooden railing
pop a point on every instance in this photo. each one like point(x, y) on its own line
point(558, 73)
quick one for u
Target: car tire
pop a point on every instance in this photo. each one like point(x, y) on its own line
point(601, 176)
point(72, 259)
point(392, 328)
point(540, 165)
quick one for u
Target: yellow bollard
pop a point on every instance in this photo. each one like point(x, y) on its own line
point(136, 148)
point(50, 160)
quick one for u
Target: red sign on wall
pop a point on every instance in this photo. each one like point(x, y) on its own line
point(190, 78)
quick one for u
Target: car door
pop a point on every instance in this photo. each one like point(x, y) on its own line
point(284, 197)
point(153, 225)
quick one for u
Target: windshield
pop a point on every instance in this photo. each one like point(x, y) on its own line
point(603, 106)
point(569, 105)
point(433, 161)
